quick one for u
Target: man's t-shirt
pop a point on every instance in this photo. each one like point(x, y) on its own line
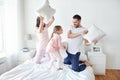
point(74, 44)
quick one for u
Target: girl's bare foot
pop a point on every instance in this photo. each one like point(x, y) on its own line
point(60, 69)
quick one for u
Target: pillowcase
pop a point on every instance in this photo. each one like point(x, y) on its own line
point(94, 33)
point(46, 10)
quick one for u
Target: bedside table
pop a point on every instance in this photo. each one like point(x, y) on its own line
point(23, 56)
point(98, 60)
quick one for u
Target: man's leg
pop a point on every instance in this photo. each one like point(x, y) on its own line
point(75, 63)
point(82, 67)
point(67, 59)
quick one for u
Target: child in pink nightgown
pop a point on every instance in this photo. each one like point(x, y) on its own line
point(42, 34)
point(54, 46)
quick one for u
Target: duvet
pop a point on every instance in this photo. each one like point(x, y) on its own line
point(32, 71)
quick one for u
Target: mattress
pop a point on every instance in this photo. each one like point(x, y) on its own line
point(32, 71)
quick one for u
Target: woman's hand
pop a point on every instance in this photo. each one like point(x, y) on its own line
point(52, 18)
point(50, 22)
point(41, 18)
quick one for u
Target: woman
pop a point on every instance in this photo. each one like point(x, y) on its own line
point(42, 34)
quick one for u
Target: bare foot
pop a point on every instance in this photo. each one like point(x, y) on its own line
point(60, 69)
point(87, 63)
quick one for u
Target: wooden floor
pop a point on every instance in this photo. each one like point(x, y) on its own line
point(110, 75)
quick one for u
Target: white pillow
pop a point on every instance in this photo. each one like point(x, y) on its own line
point(94, 33)
point(83, 56)
point(46, 10)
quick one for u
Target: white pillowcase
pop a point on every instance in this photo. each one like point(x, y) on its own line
point(46, 10)
point(94, 33)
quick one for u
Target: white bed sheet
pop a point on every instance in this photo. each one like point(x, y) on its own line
point(32, 71)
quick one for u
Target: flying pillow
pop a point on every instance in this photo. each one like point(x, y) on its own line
point(46, 10)
point(94, 33)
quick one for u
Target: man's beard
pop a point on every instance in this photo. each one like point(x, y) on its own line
point(77, 26)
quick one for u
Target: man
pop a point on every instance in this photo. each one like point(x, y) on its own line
point(75, 39)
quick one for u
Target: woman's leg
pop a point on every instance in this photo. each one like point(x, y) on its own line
point(39, 55)
point(47, 56)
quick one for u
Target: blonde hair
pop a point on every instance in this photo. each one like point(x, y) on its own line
point(55, 29)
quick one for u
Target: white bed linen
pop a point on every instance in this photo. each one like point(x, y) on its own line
point(32, 71)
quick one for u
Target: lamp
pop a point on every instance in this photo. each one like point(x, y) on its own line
point(28, 36)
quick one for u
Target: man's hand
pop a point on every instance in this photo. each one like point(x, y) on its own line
point(85, 31)
point(86, 42)
point(64, 47)
point(95, 41)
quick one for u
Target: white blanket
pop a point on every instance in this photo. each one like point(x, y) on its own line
point(32, 71)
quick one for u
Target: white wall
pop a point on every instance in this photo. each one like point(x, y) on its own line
point(104, 13)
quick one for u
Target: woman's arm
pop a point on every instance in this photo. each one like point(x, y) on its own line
point(40, 29)
point(50, 22)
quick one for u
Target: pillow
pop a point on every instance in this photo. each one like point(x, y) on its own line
point(94, 33)
point(83, 55)
point(46, 10)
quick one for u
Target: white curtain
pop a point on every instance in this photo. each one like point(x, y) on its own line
point(10, 26)
point(1, 25)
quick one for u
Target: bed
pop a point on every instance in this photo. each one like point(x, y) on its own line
point(31, 71)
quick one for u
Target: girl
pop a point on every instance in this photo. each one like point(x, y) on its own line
point(54, 46)
point(42, 34)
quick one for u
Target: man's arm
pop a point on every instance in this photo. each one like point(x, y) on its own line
point(86, 42)
point(71, 35)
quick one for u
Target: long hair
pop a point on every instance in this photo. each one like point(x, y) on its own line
point(55, 29)
point(38, 22)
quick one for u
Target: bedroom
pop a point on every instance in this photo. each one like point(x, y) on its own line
point(17, 28)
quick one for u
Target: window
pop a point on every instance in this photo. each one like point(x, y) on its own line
point(1, 26)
